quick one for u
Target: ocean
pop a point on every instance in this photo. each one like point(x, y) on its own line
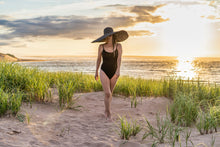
point(207, 69)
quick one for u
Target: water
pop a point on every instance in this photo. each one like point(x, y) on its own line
point(152, 67)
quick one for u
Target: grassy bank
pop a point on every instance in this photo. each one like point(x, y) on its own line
point(19, 83)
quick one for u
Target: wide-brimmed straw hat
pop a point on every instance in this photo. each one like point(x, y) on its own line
point(119, 35)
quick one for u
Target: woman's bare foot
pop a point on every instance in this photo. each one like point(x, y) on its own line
point(109, 117)
point(106, 115)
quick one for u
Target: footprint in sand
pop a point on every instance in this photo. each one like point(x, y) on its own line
point(54, 142)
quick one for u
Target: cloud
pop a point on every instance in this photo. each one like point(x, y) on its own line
point(140, 33)
point(214, 3)
point(2, 2)
point(78, 27)
point(67, 26)
point(185, 3)
point(143, 10)
point(144, 14)
point(212, 17)
point(114, 6)
point(5, 17)
point(20, 46)
point(4, 43)
point(12, 43)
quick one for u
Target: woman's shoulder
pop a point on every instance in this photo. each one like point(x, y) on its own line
point(101, 45)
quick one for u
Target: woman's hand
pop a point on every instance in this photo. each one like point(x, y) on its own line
point(96, 76)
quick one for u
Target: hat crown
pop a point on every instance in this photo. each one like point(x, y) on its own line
point(119, 36)
point(108, 30)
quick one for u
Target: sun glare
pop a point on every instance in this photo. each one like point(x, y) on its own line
point(185, 68)
point(186, 34)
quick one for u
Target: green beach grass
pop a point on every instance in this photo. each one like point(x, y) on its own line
point(190, 97)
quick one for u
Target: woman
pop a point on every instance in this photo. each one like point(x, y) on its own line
point(111, 53)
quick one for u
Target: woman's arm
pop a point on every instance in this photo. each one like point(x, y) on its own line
point(119, 47)
point(98, 62)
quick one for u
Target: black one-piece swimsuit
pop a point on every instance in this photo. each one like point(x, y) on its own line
point(109, 64)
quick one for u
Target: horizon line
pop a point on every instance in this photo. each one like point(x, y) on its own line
point(122, 56)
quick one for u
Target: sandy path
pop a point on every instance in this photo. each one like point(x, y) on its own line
point(51, 127)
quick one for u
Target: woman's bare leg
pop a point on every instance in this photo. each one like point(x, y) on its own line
point(113, 83)
point(108, 94)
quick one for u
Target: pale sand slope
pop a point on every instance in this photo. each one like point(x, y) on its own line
point(8, 58)
point(87, 127)
point(4, 57)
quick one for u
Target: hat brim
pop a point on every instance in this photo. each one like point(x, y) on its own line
point(119, 36)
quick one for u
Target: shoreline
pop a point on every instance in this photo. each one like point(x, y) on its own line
point(30, 60)
point(122, 56)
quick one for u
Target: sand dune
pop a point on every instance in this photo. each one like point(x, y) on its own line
point(8, 57)
point(87, 127)
point(12, 58)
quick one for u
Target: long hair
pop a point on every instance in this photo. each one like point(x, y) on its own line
point(114, 41)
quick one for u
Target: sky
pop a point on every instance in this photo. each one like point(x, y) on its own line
point(67, 27)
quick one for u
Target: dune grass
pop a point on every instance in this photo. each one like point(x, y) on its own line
point(206, 123)
point(194, 102)
point(38, 82)
point(164, 131)
point(158, 133)
point(128, 129)
point(184, 110)
point(10, 101)
point(36, 85)
point(32, 84)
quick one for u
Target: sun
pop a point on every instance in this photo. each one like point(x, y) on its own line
point(186, 34)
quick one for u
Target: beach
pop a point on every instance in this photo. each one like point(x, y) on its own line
point(41, 108)
point(50, 126)
point(163, 56)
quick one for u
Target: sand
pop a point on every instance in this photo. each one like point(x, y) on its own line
point(11, 58)
point(49, 126)
point(4, 57)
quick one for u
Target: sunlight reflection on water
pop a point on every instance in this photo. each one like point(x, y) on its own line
point(185, 68)
point(150, 67)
